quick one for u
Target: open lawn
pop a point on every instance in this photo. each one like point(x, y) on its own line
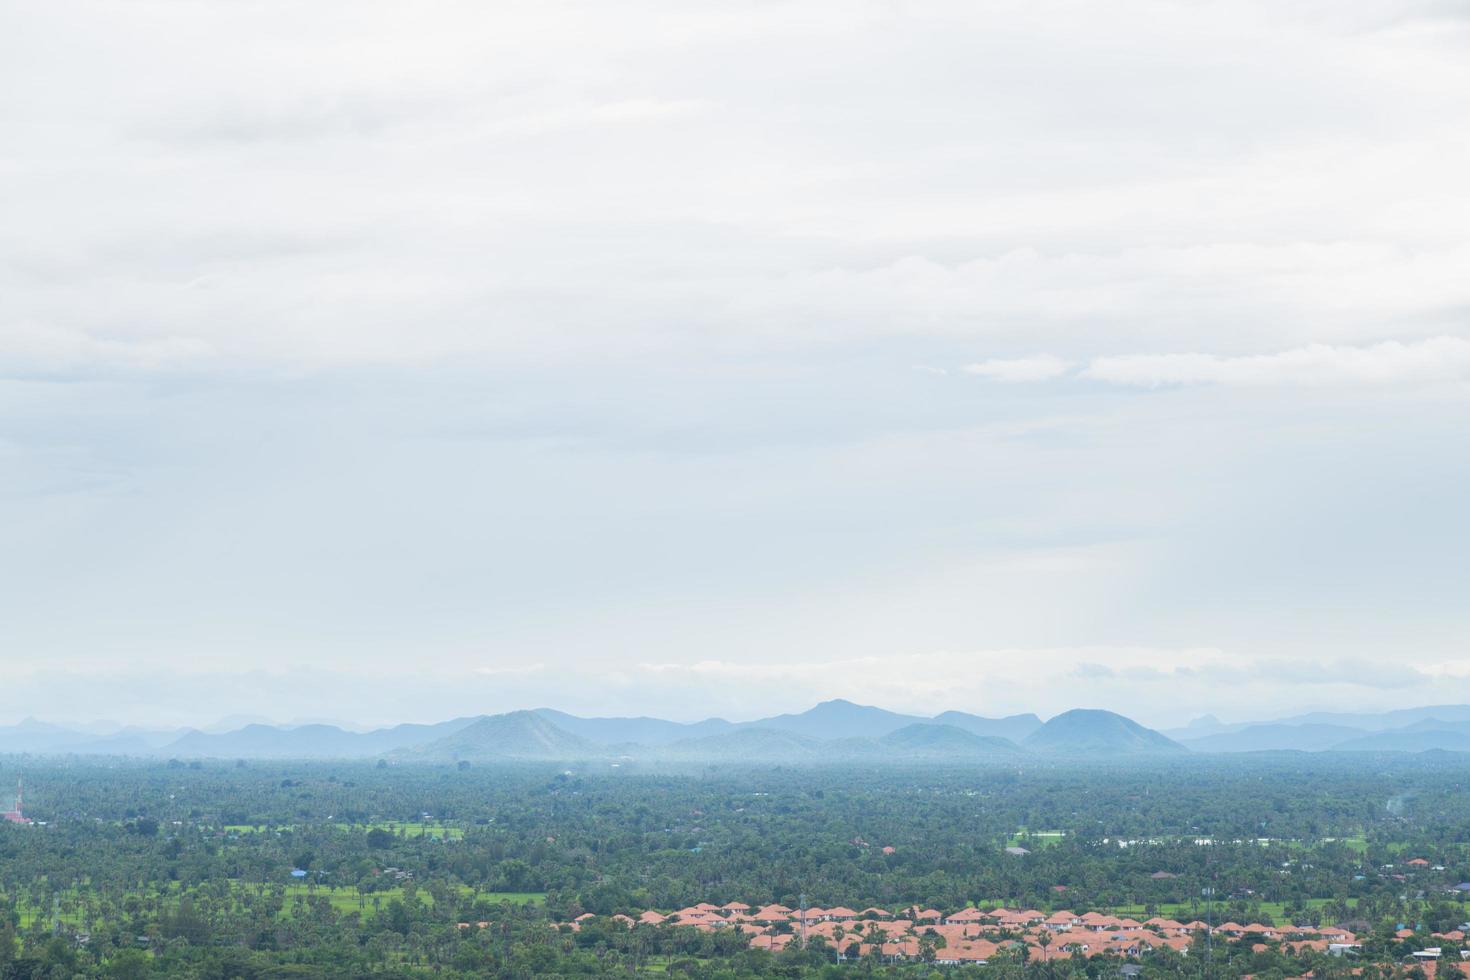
point(408, 829)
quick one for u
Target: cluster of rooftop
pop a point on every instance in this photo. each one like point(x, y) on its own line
point(970, 935)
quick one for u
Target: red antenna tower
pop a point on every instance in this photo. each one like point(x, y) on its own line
point(16, 815)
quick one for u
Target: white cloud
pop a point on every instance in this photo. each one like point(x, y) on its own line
point(511, 670)
point(574, 179)
point(1042, 367)
point(1391, 362)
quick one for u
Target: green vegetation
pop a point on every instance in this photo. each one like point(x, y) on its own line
point(344, 899)
point(407, 829)
point(307, 870)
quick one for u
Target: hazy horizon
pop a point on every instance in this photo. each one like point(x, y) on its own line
point(390, 362)
point(754, 712)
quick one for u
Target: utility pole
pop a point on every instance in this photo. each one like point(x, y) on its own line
point(1209, 894)
point(802, 901)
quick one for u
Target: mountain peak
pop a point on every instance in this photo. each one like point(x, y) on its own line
point(514, 735)
point(840, 704)
point(1093, 731)
point(839, 718)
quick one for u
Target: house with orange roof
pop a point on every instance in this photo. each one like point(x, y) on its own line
point(975, 953)
point(1100, 923)
point(1166, 925)
point(1129, 945)
point(775, 942)
point(951, 934)
point(730, 908)
point(873, 912)
point(651, 918)
point(900, 949)
point(830, 930)
point(841, 914)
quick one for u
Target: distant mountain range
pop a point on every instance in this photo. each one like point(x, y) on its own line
point(1444, 727)
point(834, 731)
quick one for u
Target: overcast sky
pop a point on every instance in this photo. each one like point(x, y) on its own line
point(384, 361)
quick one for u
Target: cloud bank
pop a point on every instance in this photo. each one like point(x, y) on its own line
point(1389, 363)
point(1392, 362)
point(478, 337)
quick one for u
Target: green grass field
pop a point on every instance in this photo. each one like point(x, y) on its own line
point(398, 827)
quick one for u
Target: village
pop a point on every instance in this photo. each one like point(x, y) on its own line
point(974, 936)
